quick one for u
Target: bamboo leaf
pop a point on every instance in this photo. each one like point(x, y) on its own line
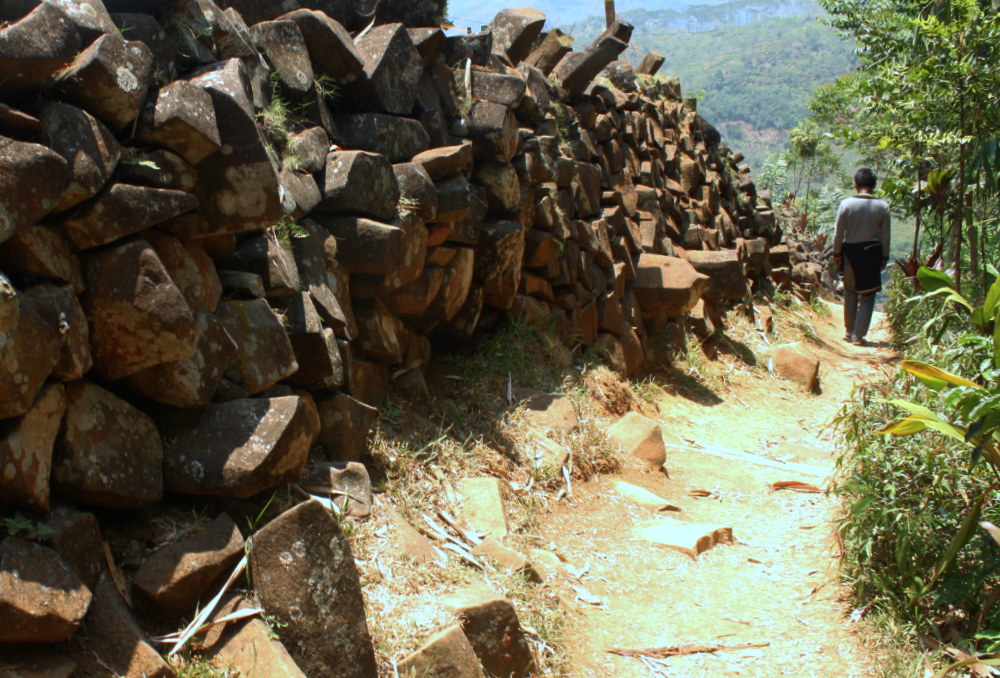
point(933, 280)
point(935, 378)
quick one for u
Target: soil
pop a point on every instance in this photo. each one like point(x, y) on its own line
point(778, 583)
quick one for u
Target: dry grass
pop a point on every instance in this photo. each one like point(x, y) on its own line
point(468, 428)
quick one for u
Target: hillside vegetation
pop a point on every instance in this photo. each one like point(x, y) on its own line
point(753, 66)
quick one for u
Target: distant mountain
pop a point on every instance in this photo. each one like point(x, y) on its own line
point(476, 13)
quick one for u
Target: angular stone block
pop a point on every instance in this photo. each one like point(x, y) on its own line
point(138, 317)
point(640, 437)
point(109, 79)
point(357, 182)
point(264, 354)
point(108, 453)
point(391, 72)
point(32, 179)
point(26, 445)
point(304, 572)
point(41, 600)
point(177, 576)
point(237, 449)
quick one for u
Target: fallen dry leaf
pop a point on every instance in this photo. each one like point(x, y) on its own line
point(795, 485)
point(679, 650)
point(117, 574)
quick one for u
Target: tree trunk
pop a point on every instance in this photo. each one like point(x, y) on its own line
point(956, 232)
point(916, 234)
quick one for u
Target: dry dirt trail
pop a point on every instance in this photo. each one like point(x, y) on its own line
point(777, 584)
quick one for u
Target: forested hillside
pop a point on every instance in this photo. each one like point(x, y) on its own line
point(476, 13)
point(753, 64)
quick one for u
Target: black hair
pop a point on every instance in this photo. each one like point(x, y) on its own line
point(865, 178)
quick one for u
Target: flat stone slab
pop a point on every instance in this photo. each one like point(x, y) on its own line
point(643, 497)
point(689, 538)
point(482, 506)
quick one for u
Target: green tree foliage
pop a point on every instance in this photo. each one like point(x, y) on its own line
point(925, 97)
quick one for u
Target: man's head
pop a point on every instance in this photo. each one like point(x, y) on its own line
point(865, 179)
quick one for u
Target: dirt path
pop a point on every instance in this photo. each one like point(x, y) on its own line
point(778, 584)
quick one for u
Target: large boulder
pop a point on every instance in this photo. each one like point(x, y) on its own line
point(35, 47)
point(190, 382)
point(109, 79)
point(30, 352)
point(115, 636)
point(726, 272)
point(182, 119)
point(238, 187)
point(357, 182)
point(59, 307)
point(237, 449)
point(41, 600)
point(491, 625)
point(179, 574)
point(26, 450)
point(122, 210)
point(667, 285)
point(515, 31)
point(446, 654)
point(90, 149)
point(303, 572)
point(32, 179)
point(331, 47)
point(264, 354)
point(107, 453)
point(398, 139)
point(391, 73)
point(138, 317)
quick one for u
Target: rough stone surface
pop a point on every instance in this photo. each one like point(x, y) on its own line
point(76, 537)
point(345, 423)
point(25, 61)
point(32, 179)
point(40, 253)
point(26, 450)
point(89, 148)
point(515, 31)
point(446, 654)
point(331, 47)
point(114, 635)
point(237, 449)
point(31, 351)
point(796, 363)
point(303, 571)
point(491, 625)
point(725, 269)
point(667, 285)
point(391, 72)
point(109, 79)
point(548, 411)
point(361, 183)
point(179, 574)
point(182, 119)
point(138, 317)
point(341, 480)
point(239, 188)
point(108, 453)
point(482, 506)
point(264, 354)
point(250, 645)
point(641, 437)
point(41, 600)
point(122, 210)
point(441, 163)
point(398, 139)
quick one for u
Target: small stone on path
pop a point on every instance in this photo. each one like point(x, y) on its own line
point(643, 497)
point(640, 437)
point(690, 539)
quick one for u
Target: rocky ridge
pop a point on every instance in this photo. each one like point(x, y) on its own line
point(225, 230)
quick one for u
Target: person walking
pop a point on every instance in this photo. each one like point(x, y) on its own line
point(861, 252)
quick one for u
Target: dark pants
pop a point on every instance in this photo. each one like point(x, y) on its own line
point(858, 308)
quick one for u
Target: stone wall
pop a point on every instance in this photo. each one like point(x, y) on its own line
point(223, 229)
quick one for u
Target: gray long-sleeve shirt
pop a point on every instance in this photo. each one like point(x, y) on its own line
point(862, 219)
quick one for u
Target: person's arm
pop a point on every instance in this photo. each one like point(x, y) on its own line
point(838, 235)
point(886, 235)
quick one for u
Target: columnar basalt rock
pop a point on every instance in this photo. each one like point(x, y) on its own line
point(214, 268)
